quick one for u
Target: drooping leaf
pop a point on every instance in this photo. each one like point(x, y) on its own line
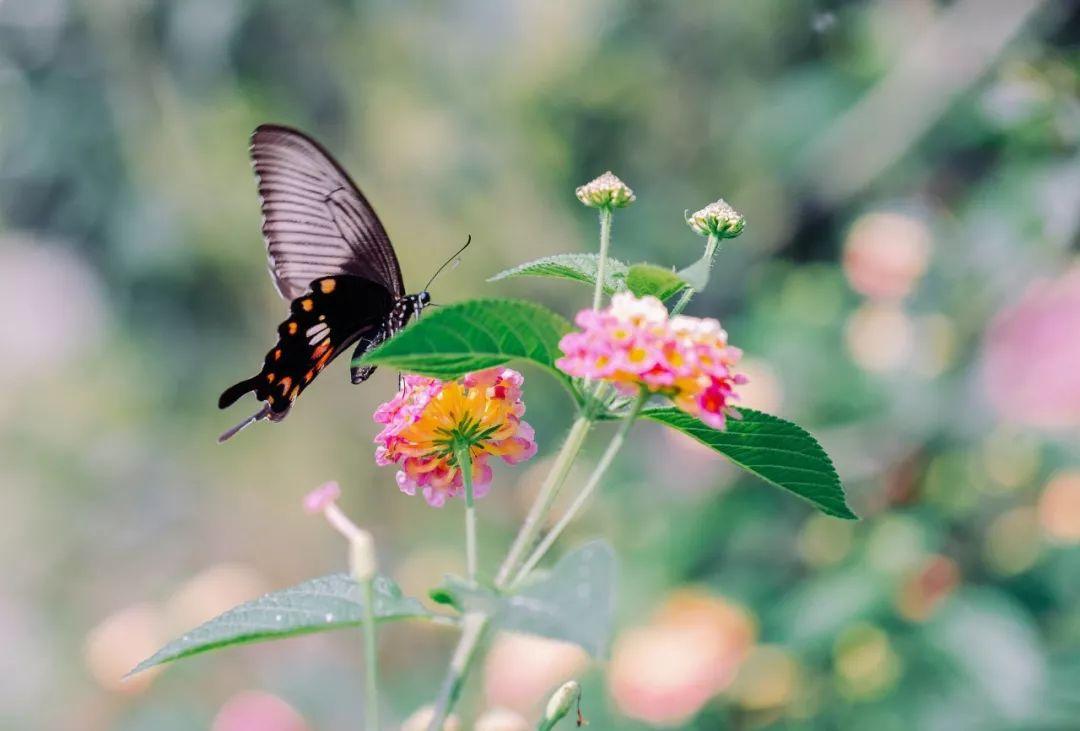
point(574, 602)
point(575, 267)
point(776, 450)
point(326, 603)
point(472, 335)
point(649, 279)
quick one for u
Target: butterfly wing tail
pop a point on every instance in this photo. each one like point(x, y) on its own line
point(262, 413)
point(230, 395)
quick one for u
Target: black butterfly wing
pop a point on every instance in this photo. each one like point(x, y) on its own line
point(316, 222)
point(322, 323)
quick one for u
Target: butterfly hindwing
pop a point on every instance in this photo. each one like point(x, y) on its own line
point(322, 322)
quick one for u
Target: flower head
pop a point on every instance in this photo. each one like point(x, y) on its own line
point(607, 191)
point(717, 219)
point(635, 344)
point(429, 418)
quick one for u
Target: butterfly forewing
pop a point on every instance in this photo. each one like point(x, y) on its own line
point(329, 255)
point(316, 222)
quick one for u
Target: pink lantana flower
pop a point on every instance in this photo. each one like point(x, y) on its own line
point(428, 417)
point(635, 345)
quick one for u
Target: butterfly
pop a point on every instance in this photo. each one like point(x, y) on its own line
point(330, 256)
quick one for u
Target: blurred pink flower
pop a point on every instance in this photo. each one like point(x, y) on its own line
point(886, 254)
point(1031, 357)
point(428, 416)
point(322, 497)
point(522, 670)
point(257, 711)
point(665, 672)
point(635, 344)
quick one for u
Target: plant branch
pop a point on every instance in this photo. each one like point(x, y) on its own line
point(548, 492)
point(586, 492)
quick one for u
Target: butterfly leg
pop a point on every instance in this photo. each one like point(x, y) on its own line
point(366, 343)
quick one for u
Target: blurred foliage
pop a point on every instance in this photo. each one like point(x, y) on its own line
point(868, 292)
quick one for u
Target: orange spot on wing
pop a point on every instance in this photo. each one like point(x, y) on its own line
point(307, 305)
point(277, 353)
point(292, 328)
point(327, 286)
point(285, 383)
point(295, 393)
point(309, 375)
point(322, 348)
point(269, 377)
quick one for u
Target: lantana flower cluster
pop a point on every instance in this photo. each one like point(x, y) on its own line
point(428, 418)
point(635, 345)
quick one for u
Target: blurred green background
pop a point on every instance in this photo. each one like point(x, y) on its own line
point(908, 288)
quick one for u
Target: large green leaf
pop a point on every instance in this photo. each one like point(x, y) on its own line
point(326, 603)
point(650, 279)
point(778, 451)
point(575, 267)
point(473, 335)
point(574, 602)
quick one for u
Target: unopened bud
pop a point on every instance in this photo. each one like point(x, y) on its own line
point(607, 191)
point(362, 561)
point(717, 219)
point(561, 702)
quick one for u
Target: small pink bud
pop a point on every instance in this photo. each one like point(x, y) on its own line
point(322, 497)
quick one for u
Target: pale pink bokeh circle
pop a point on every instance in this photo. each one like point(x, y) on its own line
point(1031, 356)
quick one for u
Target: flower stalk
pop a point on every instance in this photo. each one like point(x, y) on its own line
point(601, 263)
point(363, 567)
point(463, 456)
point(474, 629)
point(582, 498)
point(548, 492)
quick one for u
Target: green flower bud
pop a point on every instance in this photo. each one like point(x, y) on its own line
point(717, 219)
point(562, 700)
point(607, 191)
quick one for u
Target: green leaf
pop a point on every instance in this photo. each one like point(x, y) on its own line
point(472, 335)
point(574, 602)
point(576, 267)
point(778, 451)
point(326, 603)
point(649, 279)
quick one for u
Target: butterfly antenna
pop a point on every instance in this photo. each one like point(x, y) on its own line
point(449, 261)
point(260, 414)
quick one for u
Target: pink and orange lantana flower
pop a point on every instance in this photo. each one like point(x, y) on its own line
point(428, 418)
point(635, 345)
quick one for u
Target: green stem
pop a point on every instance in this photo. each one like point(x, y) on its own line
point(710, 251)
point(464, 461)
point(586, 492)
point(683, 301)
point(601, 263)
point(474, 627)
point(548, 492)
point(371, 657)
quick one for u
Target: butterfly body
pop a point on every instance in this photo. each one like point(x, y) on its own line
point(331, 257)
